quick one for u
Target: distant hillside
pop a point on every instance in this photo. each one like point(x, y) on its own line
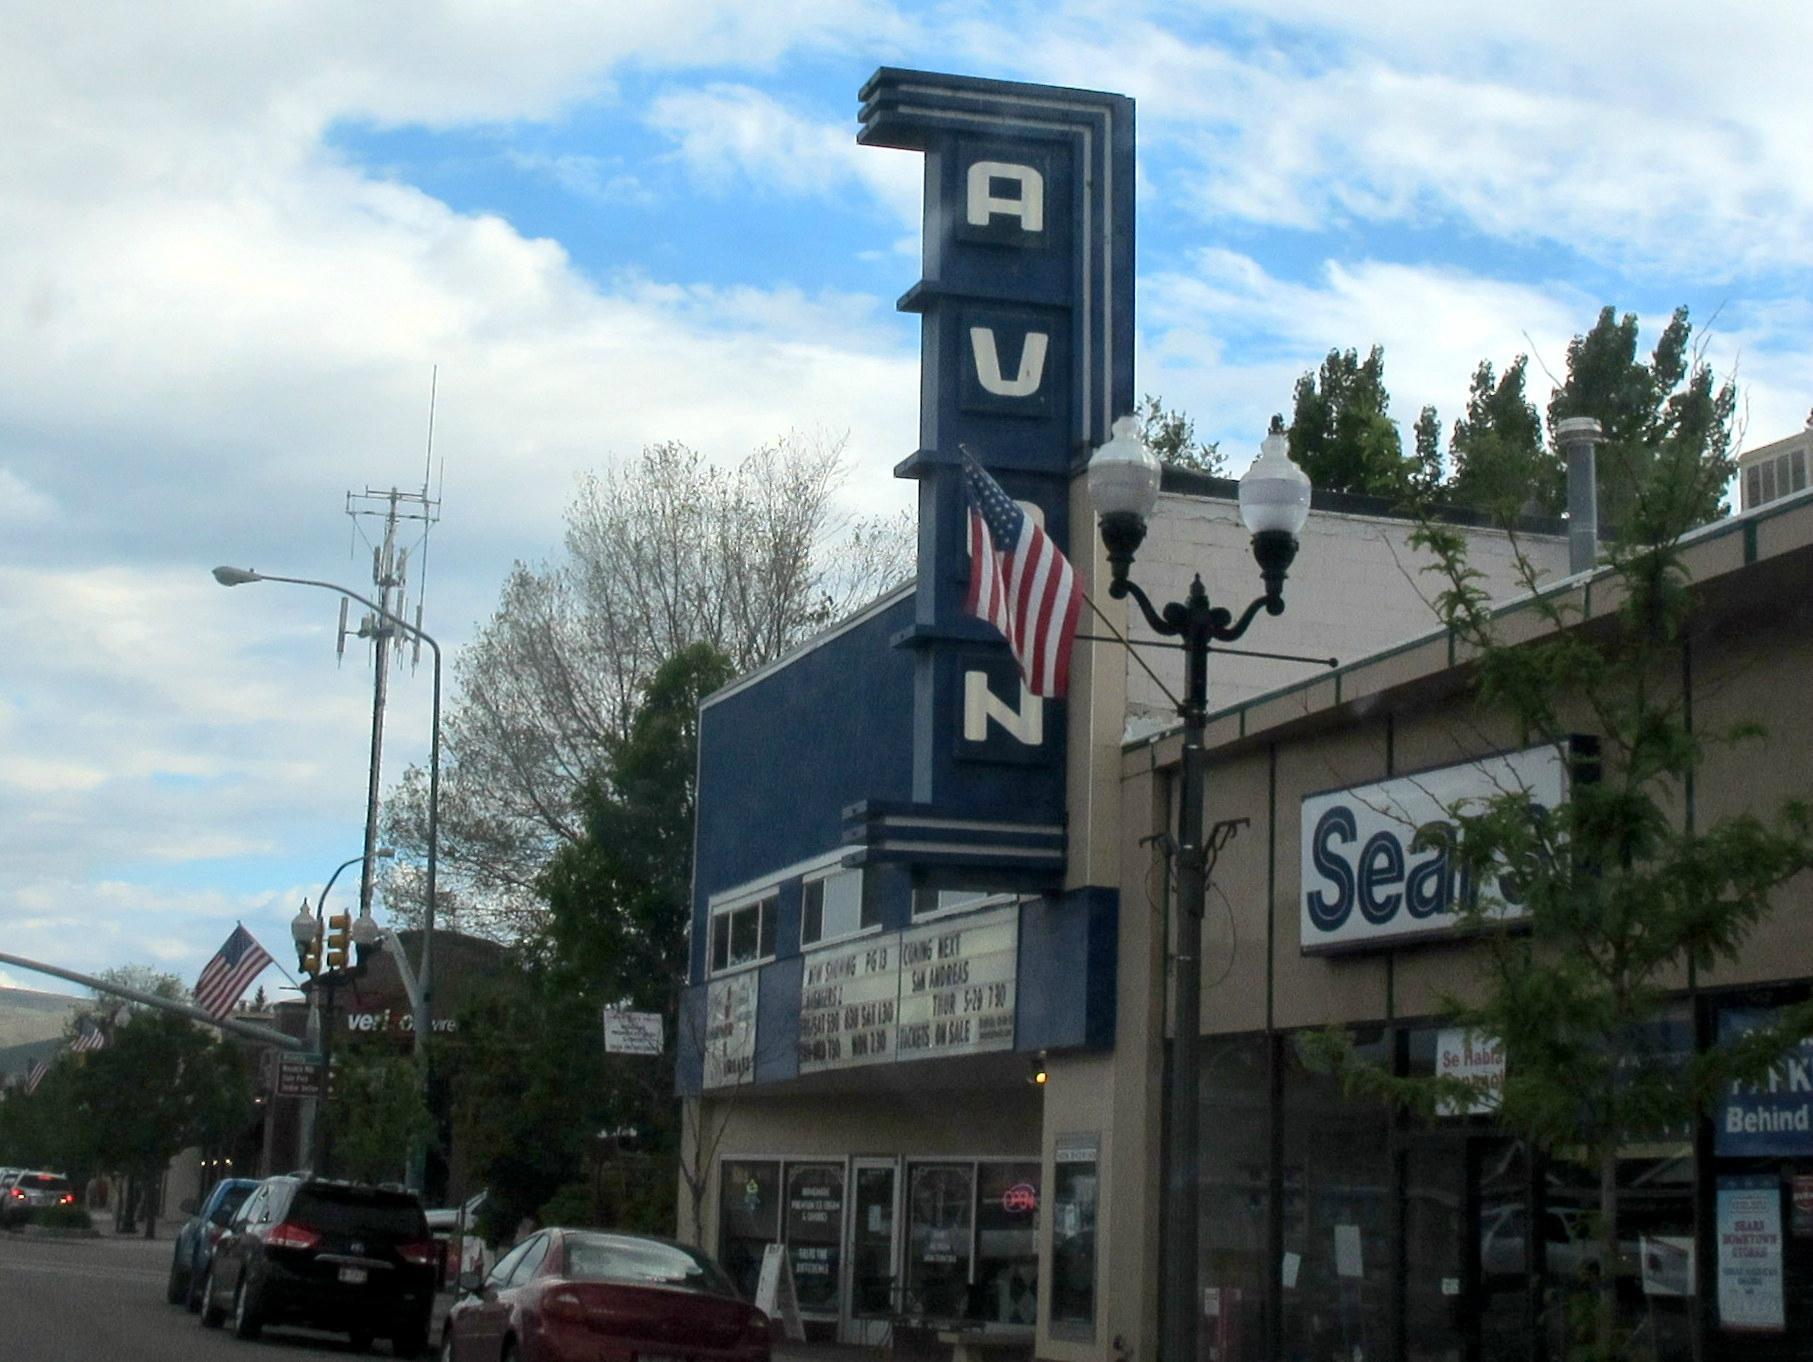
point(27, 1016)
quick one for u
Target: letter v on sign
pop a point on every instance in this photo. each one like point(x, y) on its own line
point(988, 363)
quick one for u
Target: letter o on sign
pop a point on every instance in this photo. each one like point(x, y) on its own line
point(1020, 1198)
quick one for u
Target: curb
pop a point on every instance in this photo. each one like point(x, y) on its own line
point(52, 1232)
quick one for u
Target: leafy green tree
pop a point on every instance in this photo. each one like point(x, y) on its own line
point(1172, 436)
point(377, 1115)
point(1500, 462)
point(537, 1087)
point(1426, 473)
point(1621, 897)
point(1341, 431)
point(161, 1084)
point(1667, 420)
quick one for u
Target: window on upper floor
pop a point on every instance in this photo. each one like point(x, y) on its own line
point(933, 902)
point(1771, 479)
point(742, 935)
point(837, 903)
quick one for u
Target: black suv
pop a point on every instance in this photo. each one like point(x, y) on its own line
point(325, 1255)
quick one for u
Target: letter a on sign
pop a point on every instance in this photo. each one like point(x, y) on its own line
point(981, 203)
point(988, 363)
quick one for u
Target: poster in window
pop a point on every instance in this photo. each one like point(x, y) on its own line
point(815, 1225)
point(1750, 1254)
point(730, 1030)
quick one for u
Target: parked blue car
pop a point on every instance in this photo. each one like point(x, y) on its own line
point(195, 1240)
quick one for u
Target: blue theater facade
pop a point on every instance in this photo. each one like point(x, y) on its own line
point(893, 927)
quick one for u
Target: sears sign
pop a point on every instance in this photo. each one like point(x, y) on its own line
point(1377, 860)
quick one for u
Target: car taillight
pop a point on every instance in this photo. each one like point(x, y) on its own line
point(19, 1193)
point(214, 1232)
point(67, 1199)
point(288, 1236)
point(565, 1307)
point(422, 1252)
point(755, 1329)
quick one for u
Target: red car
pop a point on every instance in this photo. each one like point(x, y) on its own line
point(599, 1296)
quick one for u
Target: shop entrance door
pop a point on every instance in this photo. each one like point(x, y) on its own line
point(874, 1250)
point(1468, 1254)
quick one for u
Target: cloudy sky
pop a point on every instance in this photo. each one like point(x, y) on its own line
point(236, 240)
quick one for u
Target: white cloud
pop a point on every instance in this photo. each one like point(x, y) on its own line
point(1655, 140)
point(735, 138)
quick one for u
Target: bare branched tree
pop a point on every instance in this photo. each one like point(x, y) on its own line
point(660, 553)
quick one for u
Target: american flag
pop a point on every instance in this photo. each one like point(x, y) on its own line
point(225, 978)
point(1020, 582)
point(93, 1038)
point(36, 1076)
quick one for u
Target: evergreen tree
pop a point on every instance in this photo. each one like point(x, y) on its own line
point(1667, 422)
point(1341, 430)
point(1500, 461)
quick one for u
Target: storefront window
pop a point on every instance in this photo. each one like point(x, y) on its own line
point(750, 1218)
point(941, 1200)
point(1073, 1203)
point(815, 1220)
point(1337, 1201)
point(1236, 1200)
point(1007, 1244)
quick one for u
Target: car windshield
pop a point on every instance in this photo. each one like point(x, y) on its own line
point(44, 1182)
point(360, 1210)
point(230, 1201)
point(621, 1258)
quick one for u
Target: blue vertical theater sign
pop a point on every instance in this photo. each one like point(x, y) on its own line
point(903, 743)
point(1027, 342)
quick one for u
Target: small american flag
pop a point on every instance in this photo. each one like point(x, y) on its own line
point(91, 1039)
point(36, 1076)
point(1020, 582)
point(225, 978)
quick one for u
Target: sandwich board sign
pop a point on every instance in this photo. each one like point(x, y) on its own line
point(775, 1296)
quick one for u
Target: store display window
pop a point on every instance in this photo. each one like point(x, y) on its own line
point(941, 1205)
point(1075, 1191)
point(1007, 1244)
point(749, 1218)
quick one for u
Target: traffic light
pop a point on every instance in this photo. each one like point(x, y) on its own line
point(311, 957)
point(339, 940)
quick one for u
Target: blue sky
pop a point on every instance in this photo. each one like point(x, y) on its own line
point(235, 241)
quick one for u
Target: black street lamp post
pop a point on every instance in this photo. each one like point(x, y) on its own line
point(1274, 503)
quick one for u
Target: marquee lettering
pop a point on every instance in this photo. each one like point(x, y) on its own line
point(983, 203)
point(980, 704)
point(988, 363)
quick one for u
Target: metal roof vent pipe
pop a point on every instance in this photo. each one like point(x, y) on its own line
point(1578, 436)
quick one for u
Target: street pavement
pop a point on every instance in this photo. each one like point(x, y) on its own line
point(102, 1300)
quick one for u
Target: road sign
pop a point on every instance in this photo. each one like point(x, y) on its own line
point(632, 1033)
point(298, 1076)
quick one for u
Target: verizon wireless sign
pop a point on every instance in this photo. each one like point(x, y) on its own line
point(1378, 864)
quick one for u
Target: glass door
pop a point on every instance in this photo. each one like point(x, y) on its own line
point(1469, 1262)
point(874, 1249)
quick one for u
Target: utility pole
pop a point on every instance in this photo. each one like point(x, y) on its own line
point(390, 582)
